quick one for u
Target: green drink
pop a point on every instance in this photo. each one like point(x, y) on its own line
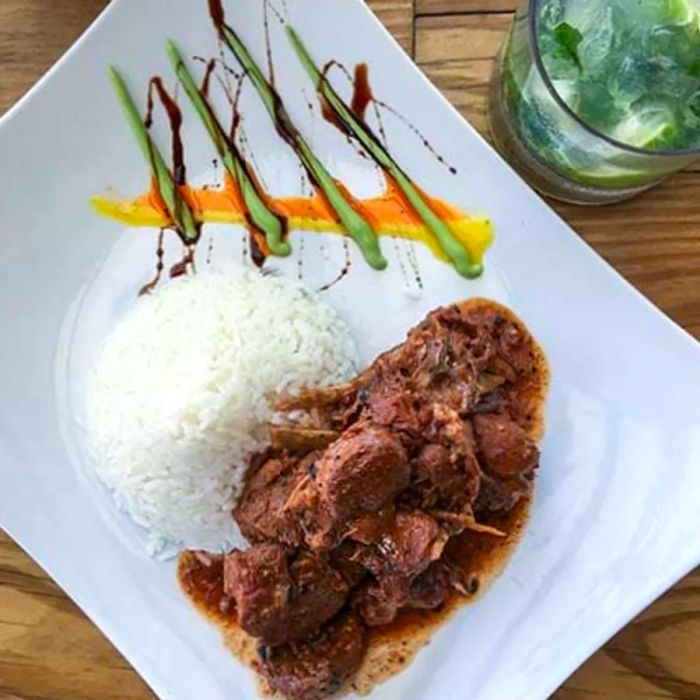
point(597, 100)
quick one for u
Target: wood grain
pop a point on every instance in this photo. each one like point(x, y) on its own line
point(50, 651)
point(33, 35)
point(444, 7)
point(457, 54)
point(397, 16)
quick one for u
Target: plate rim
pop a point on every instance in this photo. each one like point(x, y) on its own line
point(545, 685)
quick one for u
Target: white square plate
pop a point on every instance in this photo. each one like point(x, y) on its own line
point(617, 508)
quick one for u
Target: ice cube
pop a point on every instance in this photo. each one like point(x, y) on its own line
point(597, 42)
point(597, 106)
point(551, 14)
point(649, 124)
point(680, 44)
point(629, 82)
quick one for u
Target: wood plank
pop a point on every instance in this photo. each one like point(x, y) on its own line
point(48, 649)
point(654, 658)
point(457, 54)
point(33, 35)
point(442, 7)
point(397, 15)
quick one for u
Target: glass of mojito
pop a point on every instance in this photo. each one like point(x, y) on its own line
point(594, 101)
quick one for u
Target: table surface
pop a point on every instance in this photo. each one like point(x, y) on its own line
point(50, 651)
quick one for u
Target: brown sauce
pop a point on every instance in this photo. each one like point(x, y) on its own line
point(390, 648)
point(415, 267)
point(268, 43)
point(417, 132)
point(362, 98)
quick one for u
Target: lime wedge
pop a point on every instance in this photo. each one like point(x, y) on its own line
point(609, 177)
point(651, 128)
point(683, 12)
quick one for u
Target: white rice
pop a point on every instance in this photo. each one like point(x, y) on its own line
point(181, 393)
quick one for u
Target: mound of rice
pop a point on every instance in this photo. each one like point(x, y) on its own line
point(181, 394)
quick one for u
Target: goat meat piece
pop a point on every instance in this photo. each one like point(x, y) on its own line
point(379, 601)
point(320, 666)
point(506, 449)
point(259, 582)
point(359, 473)
point(501, 495)
point(438, 583)
point(347, 562)
point(396, 410)
point(370, 527)
point(413, 543)
point(261, 513)
point(445, 479)
point(362, 471)
point(280, 602)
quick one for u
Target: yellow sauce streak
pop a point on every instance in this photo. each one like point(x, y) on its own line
point(389, 214)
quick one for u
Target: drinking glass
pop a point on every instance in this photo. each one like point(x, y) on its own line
point(556, 151)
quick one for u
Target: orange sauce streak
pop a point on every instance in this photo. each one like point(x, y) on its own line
point(389, 213)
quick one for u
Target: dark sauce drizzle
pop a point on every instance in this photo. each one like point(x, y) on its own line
point(186, 263)
point(267, 6)
point(402, 265)
point(211, 65)
point(423, 139)
point(237, 118)
point(156, 88)
point(330, 116)
point(283, 124)
point(210, 249)
point(257, 244)
point(362, 94)
point(256, 248)
point(160, 265)
point(175, 118)
point(344, 271)
point(413, 261)
point(300, 260)
point(362, 98)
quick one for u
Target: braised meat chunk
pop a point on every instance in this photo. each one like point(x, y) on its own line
point(320, 666)
point(358, 474)
point(507, 450)
point(407, 548)
point(438, 583)
point(280, 598)
point(261, 513)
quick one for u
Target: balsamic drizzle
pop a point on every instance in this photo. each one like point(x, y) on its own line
point(160, 265)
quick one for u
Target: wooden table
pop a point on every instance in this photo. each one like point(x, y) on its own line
point(50, 651)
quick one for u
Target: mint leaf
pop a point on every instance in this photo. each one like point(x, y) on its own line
point(568, 38)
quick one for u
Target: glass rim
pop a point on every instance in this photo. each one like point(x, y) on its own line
point(533, 25)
